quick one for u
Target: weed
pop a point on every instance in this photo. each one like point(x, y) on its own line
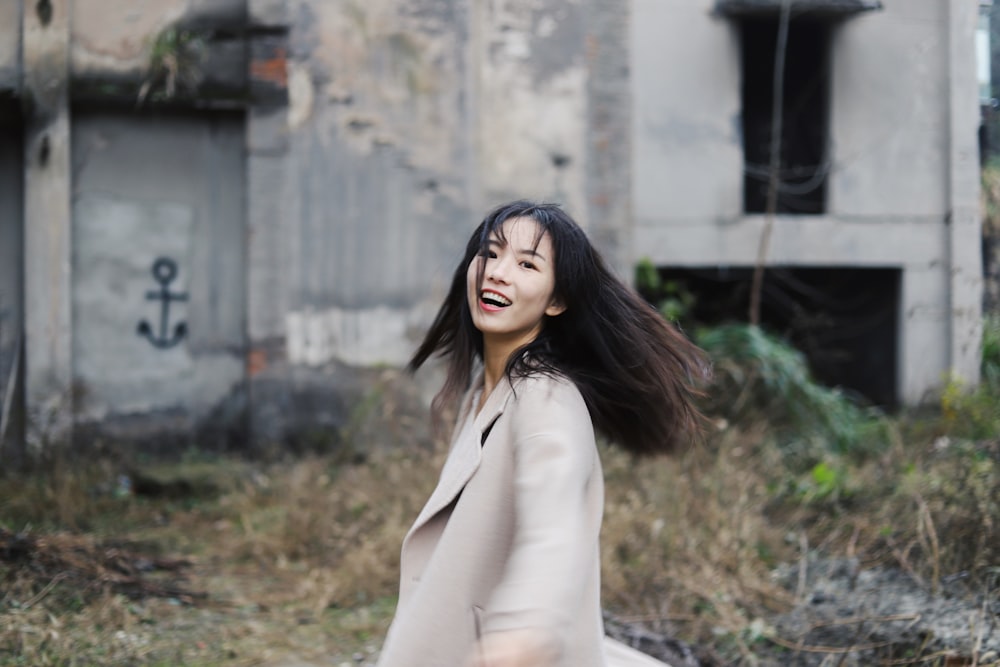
point(759, 376)
point(301, 557)
point(975, 412)
point(671, 298)
point(175, 59)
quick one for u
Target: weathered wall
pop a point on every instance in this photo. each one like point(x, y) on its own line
point(688, 153)
point(10, 46)
point(48, 330)
point(404, 124)
point(323, 163)
point(115, 38)
point(891, 166)
point(531, 82)
point(609, 148)
point(150, 188)
point(900, 164)
point(394, 128)
point(889, 127)
point(377, 200)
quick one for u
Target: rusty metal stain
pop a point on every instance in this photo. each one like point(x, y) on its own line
point(273, 70)
point(256, 361)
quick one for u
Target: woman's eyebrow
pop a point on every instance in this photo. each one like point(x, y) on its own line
point(523, 251)
point(533, 253)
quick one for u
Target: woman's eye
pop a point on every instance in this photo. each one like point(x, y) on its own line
point(528, 265)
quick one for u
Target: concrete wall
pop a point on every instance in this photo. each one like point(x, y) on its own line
point(687, 150)
point(889, 127)
point(146, 188)
point(388, 131)
point(377, 198)
point(115, 38)
point(47, 223)
point(10, 46)
point(897, 150)
point(315, 167)
point(405, 122)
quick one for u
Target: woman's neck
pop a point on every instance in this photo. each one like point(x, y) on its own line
point(494, 364)
point(496, 354)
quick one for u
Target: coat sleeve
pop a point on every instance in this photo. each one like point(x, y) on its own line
point(558, 514)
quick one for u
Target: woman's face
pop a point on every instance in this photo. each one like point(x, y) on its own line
point(518, 285)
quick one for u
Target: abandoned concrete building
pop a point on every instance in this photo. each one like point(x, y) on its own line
point(214, 212)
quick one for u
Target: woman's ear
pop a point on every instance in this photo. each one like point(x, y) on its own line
point(555, 308)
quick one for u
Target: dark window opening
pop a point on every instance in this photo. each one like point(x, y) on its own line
point(844, 320)
point(805, 114)
point(11, 283)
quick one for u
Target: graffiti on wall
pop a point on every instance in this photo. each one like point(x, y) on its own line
point(164, 272)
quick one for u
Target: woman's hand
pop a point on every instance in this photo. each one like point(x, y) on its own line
point(515, 648)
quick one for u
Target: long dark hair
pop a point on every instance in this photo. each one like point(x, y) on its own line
point(638, 374)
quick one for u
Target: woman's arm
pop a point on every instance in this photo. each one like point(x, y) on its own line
point(532, 610)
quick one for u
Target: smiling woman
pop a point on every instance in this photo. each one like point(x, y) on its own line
point(511, 290)
point(502, 566)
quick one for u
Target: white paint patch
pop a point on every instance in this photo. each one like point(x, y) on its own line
point(524, 125)
point(361, 337)
point(546, 26)
point(516, 45)
point(300, 95)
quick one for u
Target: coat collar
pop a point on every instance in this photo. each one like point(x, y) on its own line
point(466, 446)
point(494, 406)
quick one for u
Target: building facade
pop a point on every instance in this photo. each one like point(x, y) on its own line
point(216, 214)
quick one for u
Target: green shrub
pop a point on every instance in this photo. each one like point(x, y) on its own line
point(975, 413)
point(759, 376)
point(671, 298)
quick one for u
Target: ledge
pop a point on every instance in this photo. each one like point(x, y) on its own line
point(819, 8)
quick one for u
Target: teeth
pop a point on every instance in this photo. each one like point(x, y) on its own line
point(498, 299)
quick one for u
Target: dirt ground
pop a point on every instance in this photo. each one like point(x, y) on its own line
point(720, 557)
point(256, 616)
point(216, 601)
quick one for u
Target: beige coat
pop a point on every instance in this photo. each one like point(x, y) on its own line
point(508, 541)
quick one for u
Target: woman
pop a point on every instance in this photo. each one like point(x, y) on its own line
point(502, 566)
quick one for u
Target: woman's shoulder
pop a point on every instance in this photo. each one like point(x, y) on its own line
point(548, 383)
point(547, 413)
point(550, 394)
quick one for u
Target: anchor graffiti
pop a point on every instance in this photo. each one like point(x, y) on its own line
point(164, 272)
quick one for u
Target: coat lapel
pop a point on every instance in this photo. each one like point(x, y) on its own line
point(466, 451)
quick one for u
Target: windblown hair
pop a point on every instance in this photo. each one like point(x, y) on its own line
point(638, 374)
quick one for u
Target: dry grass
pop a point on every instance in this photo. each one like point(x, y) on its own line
point(300, 559)
point(687, 545)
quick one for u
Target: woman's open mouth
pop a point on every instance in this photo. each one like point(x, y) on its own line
point(493, 299)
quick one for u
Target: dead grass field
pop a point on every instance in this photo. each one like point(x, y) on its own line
point(216, 561)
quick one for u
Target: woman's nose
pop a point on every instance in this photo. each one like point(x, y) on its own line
point(497, 269)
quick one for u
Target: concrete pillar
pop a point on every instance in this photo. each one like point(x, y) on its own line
point(964, 233)
point(268, 228)
point(47, 222)
point(609, 117)
point(923, 358)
